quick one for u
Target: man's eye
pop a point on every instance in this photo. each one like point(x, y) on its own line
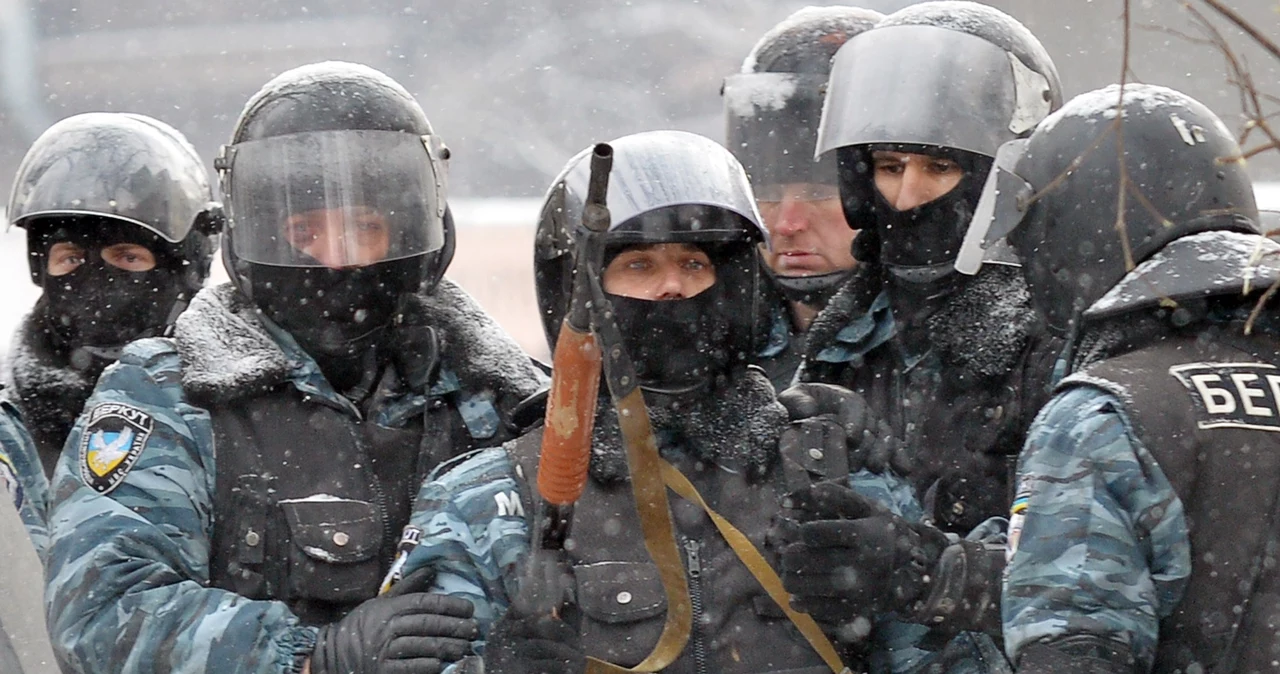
point(889, 167)
point(695, 265)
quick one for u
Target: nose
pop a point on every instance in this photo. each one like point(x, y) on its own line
point(915, 188)
point(332, 247)
point(791, 216)
point(673, 284)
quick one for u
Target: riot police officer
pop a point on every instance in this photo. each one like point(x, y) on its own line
point(915, 110)
point(326, 379)
point(681, 270)
point(119, 218)
point(1165, 430)
point(772, 108)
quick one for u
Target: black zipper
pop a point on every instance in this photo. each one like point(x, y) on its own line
point(389, 537)
point(693, 560)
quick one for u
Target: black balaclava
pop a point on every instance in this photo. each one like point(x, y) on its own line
point(92, 312)
point(679, 347)
point(336, 315)
point(918, 247)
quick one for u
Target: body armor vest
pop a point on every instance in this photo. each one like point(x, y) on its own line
point(619, 601)
point(309, 502)
point(1208, 409)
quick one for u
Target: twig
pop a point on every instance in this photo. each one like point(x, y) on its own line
point(1242, 24)
point(1122, 193)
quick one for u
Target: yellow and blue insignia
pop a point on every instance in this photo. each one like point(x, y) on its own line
point(111, 443)
point(9, 481)
point(1018, 516)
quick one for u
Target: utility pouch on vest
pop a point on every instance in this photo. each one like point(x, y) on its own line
point(334, 546)
point(619, 592)
point(623, 607)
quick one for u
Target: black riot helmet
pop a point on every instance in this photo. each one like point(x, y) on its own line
point(772, 108)
point(665, 187)
point(335, 191)
point(951, 80)
point(97, 180)
point(1188, 207)
point(120, 168)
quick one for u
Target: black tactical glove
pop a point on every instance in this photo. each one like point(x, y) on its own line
point(412, 632)
point(829, 417)
point(533, 643)
point(846, 557)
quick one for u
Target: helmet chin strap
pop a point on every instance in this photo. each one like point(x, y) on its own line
point(813, 290)
point(921, 274)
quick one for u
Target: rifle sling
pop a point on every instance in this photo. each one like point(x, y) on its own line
point(651, 475)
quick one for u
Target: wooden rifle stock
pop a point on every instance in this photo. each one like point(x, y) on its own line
point(575, 374)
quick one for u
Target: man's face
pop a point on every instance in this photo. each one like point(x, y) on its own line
point(807, 229)
point(340, 238)
point(65, 257)
point(663, 271)
point(907, 180)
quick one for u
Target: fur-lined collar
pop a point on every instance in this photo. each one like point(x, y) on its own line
point(227, 352)
point(736, 428)
point(979, 331)
point(49, 391)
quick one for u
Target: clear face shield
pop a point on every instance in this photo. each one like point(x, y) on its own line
point(1005, 200)
point(334, 198)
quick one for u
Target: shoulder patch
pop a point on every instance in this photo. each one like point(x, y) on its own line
point(1232, 395)
point(10, 483)
point(111, 443)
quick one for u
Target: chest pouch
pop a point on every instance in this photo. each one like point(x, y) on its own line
point(623, 608)
point(333, 548)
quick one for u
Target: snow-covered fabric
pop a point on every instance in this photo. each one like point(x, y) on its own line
point(226, 351)
point(48, 390)
point(736, 427)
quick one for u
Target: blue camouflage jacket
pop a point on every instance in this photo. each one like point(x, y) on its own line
point(22, 477)
point(1098, 539)
point(474, 531)
point(128, 571)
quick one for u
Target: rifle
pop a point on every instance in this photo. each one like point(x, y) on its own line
point(575, 372)
point(588, 329)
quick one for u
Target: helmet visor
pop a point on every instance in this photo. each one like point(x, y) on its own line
point(334, 198)
point(1005, 199)
point(925, 85)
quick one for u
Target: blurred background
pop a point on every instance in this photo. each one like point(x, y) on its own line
point(515, 87)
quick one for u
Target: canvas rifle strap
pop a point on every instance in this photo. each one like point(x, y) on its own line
point(651, 475)
point(758, 566)
point(659, 537)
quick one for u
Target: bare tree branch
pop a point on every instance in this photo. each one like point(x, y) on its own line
point(1122, 193)
point(1240, 22)
point(1251, 100)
